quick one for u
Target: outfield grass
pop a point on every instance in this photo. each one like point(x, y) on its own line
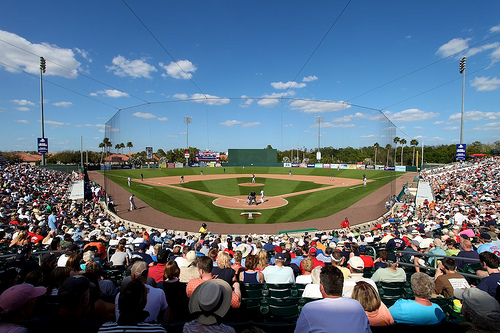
point(199, 207)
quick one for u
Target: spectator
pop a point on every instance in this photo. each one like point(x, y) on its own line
point(377, 312)
point(16, 304)
point(205, 266)
point(480, 309)
point(381, 261)
point(131, 306)
point(307, 265)
point(156, 301)
point(141, 252)
point(446, 279)
point(338, 261)
point(419, 311)
point(465, 252)
point(356, 266)
point(322, 315)
point(452, 247)
point(175, 292)
point(279, 273)
point(250, 275)
point(363, 250)
point(237, 266)
point(312, 290)
point(209, 303)
point(392, 273)
point(188, 268)
point(120, 257)
point(263, 260)
point(223, 270)
point(156, 272)
point(490, 262)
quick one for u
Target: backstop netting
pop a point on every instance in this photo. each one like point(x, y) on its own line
point(294, 127)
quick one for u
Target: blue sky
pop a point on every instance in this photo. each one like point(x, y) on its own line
point(248, 73)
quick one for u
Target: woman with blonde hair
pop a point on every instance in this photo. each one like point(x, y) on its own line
point(375, 310)
point(21, 239)
point(262, 260)
point(223, 270)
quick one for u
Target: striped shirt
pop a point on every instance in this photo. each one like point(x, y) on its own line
point(112, 327)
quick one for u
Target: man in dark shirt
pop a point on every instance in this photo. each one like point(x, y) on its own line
point(466, 252)
point(490, 262)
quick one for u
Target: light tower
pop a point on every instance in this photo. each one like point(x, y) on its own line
point(42, 70)
point(318, 120)
point(187, 121)
point(462, 71)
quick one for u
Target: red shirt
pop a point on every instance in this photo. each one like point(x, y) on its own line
point(345, 223)
point(156, 272)
point(367, 260)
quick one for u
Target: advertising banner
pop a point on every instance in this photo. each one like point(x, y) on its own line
point(361, 167)
point(295, 165)
point(318, 165)
point(43, 145)
point(461, 152)
point(389, 168)
point(326, 166)
point(149, 153)
point(287, 165)
point(370, 167)
point(303, 165)
point(400, 168)
point(170, 165)
point(310, 165)
point(352, 166)
point(178, 165)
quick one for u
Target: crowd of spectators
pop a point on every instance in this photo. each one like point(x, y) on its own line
point(95, 274)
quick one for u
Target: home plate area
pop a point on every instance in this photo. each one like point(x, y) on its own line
point(240, 202)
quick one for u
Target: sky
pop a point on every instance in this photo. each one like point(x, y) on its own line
point(290, 74)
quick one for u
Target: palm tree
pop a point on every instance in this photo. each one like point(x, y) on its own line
point(414, 143)
point(102, 145)
point(396, 141)
point(107, 144)
point(122, 145)
point(388, 148)
point(117, 147)
point(129, 145)
point(376, 146)
point(403, 143)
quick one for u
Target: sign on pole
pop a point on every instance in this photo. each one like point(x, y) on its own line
point(43, 145)
point(149, 153)
point(461, 152)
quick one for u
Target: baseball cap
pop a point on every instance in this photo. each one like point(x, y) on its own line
point(280, 256)
point(140, 268)
point(74, 287)
point(313, 252)
point(143, 246)
point(485, 236)
point(17, 296)
point(356, 263)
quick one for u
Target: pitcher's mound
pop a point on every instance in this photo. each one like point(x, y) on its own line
point(251, 184)
point(240, 202)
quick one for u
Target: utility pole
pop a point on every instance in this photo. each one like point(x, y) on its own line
point(187, 121)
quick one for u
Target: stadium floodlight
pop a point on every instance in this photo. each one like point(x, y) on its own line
point(42, 70)
point(319, 120)
point(187, 121)
point(462, 71)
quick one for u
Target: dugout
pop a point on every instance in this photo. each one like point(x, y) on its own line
point(253, 157)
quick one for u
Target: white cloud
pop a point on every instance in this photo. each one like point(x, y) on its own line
point(15, 56)
point(488, 127)
point(344, 119)
point(369, 136)
point(361, 115)
point(23, 121)
point(209, 99)
point(85, 55)
point(308, 106)
point(230, 123)
point(288, 85)
point(475, 116)
point(55, 123)
point(439, 122)
point(22, 102)
point(62, 104)
point(494, 29)
point(330, 125)
point(162, 118)
point(453, 46)
point(483, 83)
point(309, 78)
point(256, 123)
point(181, 96)
point(418, 127)
point(134, 68)
point(113, 93)
point(475, 50)
point(268, 102)
point(247, 103)
point(144, 115)
point(453, 128)
point(171, 136)
point(182, 69)
point(288, 125)
point(90, 125)
point(410, 115)
point(23, 109)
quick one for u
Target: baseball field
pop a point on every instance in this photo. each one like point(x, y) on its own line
point(220, 194)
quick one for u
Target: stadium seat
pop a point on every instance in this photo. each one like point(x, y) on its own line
point(251, 290)
point(392, 289)
point(280, 309)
